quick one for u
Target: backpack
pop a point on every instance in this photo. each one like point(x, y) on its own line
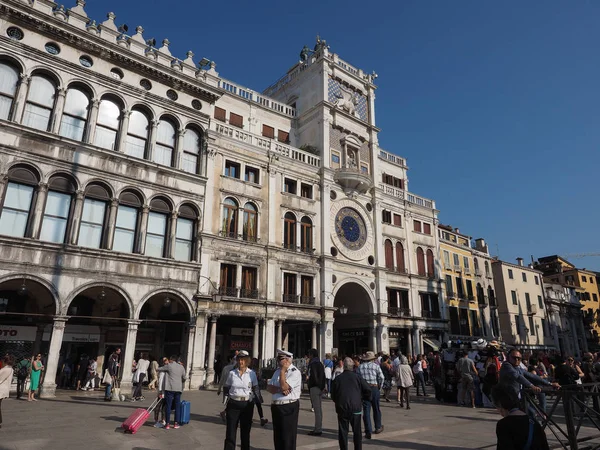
point(23, 372)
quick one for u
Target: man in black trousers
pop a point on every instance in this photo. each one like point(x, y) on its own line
point(348, 391)
point(316, 384)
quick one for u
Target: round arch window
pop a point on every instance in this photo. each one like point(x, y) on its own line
point(52, 48)
point(197, 104)
point(172, 95)
point(15, 33)
point(86, 61)
point(117, 74)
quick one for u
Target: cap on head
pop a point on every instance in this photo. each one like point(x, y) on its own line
point(369, 356)
point(242, 354)
point(284, 354)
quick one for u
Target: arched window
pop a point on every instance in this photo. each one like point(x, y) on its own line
point(306, 240)
point(487, 269)
point(61, 189)
point(420, 261)
point(75, 114)
point(185, 234)
point(127, 223)
point(137, 134)
point(9, 80)
point(430, 264)
point(165, 143)
point(17, 202)
point(156, 233)
point(107, 126)
point(476, 266)
point(400, 266)
point(389, 254)
point(229, 228)
point(93, 218)
point(289, 231)
point(250, 221)
point(40, 103)
point(192, 144)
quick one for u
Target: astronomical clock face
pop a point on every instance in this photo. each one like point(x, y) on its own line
point(350, 228)
point(351, 233)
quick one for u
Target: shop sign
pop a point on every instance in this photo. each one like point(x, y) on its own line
point(353, 334)
point(242, 331)
point(240, 345)
point(8, 333)
point(76, 333)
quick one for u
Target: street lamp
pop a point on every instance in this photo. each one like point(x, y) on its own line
point(343, 310)
point(167, 301)
point(22, 291)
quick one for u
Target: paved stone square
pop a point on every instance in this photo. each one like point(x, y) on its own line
point(81, 420)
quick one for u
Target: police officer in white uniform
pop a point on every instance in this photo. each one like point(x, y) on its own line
point(240, 388)
point(286, 386)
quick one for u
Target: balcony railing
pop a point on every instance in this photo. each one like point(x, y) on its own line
point(250, 95)
point(482, 300)
point(404, 195)
point(457, 268)
point(228, 234)
point(430, 274)
point(467, 271)
point(249, 293)
point(493, 303)
point(249, 238)
point(392, 158)
point(430, 314)
point(532, 309)
point(478, 273)
point(228, 291)
point(307, 300)
point(399, 312)
point(471, 298)
point(290, 298)
point(450, 294)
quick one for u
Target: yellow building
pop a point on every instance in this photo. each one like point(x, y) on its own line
point(467, 279)
point(558, 270)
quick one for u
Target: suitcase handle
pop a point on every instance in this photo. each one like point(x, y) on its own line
point(154, 404)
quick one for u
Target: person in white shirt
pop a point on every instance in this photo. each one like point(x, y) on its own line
point(91, 375)
point(141, 373)
point(286, 387)
point(240, 388)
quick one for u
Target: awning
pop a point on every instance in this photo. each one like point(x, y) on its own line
point(434, 344)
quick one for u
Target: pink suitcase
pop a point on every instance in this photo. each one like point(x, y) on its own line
point(138, 418)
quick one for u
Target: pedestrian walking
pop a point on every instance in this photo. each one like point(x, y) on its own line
point(112, 368)
point(419, 377)
point(286, 386)
point(372, 374)
point(258, 399)
point(316, 384)
point(348, 391)
point(406, 379)
point(34, 378)
point(140, 374)
point(159, 411)
point(516, 431)
point(240, 389)
point(6, 376)
point(466, 373)
point(174, 378)
point(23, 368)
point(82, 370)
point(153, 373)
point(90, 378)
point(339, 369)
point(386, 368)
point(328, 364)
point(224, 374)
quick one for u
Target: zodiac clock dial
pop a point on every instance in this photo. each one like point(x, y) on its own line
point(350, 228)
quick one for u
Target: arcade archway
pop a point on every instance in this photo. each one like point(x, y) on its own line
point(353, 332)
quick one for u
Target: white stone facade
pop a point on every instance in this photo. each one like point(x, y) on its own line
point(158, 207)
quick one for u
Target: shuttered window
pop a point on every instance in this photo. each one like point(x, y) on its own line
point(220, 114)
point(283, 136)
point(268, 132)
point(236, 120)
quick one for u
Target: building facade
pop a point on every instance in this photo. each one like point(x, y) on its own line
point(469, 286)
point(560, 271)
point(150, 204)
point(521, 306)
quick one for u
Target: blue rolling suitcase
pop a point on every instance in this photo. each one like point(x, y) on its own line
point(184, 412)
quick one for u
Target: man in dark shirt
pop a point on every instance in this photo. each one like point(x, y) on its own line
point(316, 384)
point(348, 391)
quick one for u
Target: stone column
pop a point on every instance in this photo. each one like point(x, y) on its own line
point(384, 342)
point(77, 210)
point(112, 222)
point(582, 333)
point(90, 132)
point(373, 335)
point(58, 110)
point(189, 359)
point(255, 338)
point(122, 138)
point(143, 227)
point(172, 234)
point(279, 334)
point(198, 371)
point(58, 330)
point(38, 339)
point(21, 98)
point(326, 331)
point(152, 140)
point(268, 350)
point(210, 373)
point(178, 149)
point(416, 340)
point(314, 342)
point(38, 211)
point(409, 348)
point(572, 326)
point(127, 361)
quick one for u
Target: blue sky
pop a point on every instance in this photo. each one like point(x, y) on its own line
point(494, 104)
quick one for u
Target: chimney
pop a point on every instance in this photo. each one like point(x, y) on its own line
point(456, 230)
point(520, 261)
point(481, 245)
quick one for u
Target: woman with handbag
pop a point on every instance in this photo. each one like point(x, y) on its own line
point(6, 376)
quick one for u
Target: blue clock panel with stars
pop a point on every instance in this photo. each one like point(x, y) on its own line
point(350, 228)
